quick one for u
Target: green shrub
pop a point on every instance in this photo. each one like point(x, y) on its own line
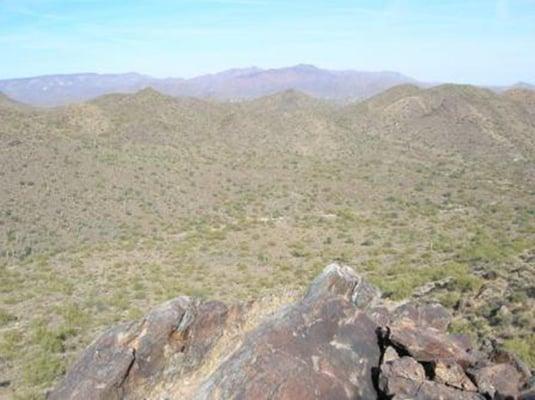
point(9, 343)
point(523, 348)
point(6, 317)
point(43, 369)
point(399, 281)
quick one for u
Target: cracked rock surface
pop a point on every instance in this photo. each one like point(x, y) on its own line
point(340, 341)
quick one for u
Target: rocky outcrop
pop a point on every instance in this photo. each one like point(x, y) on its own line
point(340, 341)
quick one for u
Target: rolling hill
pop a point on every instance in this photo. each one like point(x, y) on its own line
point(113, 205)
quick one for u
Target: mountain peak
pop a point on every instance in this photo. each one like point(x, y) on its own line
point(149, 92)
point(524, 85)
point(305, 67)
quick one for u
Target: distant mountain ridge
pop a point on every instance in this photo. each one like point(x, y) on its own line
point(234, 84)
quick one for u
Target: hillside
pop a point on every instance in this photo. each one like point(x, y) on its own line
point(112, 206)
point(470, 121)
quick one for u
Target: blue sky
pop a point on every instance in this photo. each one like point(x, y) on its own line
point(481, 41)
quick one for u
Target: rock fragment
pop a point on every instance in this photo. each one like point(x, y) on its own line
point(451, 374)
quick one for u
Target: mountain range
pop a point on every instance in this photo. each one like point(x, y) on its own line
point(231, 85)
point(235, 84)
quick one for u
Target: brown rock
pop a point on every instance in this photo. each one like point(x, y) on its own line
point(499, 380)
point(431, 315)
point(401, 377)
point(430, 390)
point(326, 346)
point(102, 369)
point(451, 374)
point(343, 281)
point(405, 378)
point(322, 347)
point(168, 320)
point(124, 360)
point(500, 356)
point(429, 344)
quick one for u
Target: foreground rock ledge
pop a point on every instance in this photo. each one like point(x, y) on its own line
point(341, 341)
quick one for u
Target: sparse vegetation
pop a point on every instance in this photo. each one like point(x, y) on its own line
point(113, 206)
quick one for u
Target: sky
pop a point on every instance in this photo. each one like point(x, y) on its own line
point(490, 42)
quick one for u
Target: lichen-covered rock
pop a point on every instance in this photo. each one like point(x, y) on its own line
point(450, 373)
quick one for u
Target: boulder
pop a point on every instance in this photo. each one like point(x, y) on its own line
point(498, 381)
point(405, 378)
point(324, 346)
point(102, 369)
point(127, 359)
point(429, 344)
point(500, 356)
point(340, 341)
point(432, 315)
point(401, 377)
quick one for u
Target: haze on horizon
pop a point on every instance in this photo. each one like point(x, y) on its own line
point(479, 42)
